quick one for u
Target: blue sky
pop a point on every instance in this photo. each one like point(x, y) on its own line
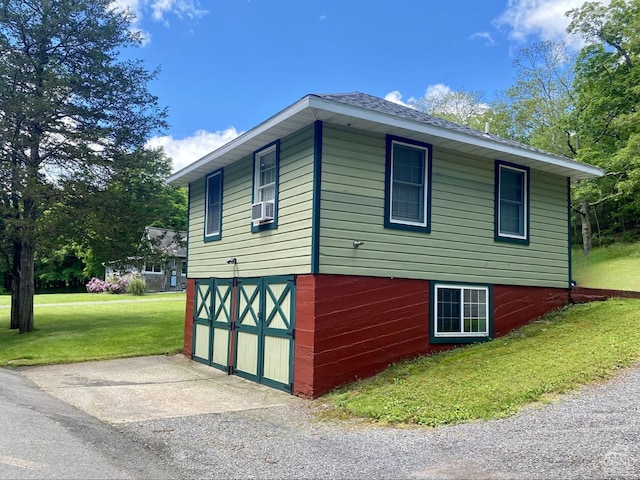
point(227, 65)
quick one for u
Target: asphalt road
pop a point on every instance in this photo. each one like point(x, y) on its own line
point(167, 417)
point(42, 437)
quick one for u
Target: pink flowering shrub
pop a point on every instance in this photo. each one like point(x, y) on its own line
point(111, 285)
point(96, 285)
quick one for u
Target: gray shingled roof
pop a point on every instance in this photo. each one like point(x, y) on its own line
point(170, 242)
point(369, 102)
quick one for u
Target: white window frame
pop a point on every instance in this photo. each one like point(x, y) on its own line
point(461, 288)
point(152, 272)
point(257, 187)
point(525, 211)
point(425, 186)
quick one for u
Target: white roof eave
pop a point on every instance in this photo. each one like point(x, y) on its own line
point(311, 108)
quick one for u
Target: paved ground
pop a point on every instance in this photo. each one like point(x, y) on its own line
point(43, 437)
point(146, 388)
point(201, 423)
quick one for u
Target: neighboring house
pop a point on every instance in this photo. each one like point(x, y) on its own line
point(348, 232)
point(162, 261)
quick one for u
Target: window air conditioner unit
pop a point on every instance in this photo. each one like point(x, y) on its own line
point(262, 212)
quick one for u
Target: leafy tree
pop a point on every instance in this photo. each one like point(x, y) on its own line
point(463, 107)
point(536, 109)
point(60, 268)
point(607, 104)
point(106, 222)
point(70, 107)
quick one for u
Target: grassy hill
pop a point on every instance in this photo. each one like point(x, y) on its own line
point(575, 346)
point(616, 266)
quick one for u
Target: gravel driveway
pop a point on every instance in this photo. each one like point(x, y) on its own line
point(592, 434)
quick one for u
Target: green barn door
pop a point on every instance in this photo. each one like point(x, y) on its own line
point(212, 322)
point(247, 328)
point(264, 330)
point(221, 323)
point(201, 350)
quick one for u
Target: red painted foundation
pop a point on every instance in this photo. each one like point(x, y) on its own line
point(188, 318)
point(514, 307)
point(354, 327)
point(583, 295)
point(349, 327)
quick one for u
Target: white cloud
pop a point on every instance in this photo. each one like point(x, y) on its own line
point(181, 8)
point(159, 10)
point(187, 150)
point(486, 36)
point(544, 19)
point(437, 90)
point(396, 97)
point(439, 98)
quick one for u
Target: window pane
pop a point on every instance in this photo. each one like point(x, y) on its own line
point(475, 311)
point(512, 185)
point(408, 164)
point(408, 203)
point(266, 193)
point(512, 218)
point(267, 168)
point(214, 199)
point(448, 320)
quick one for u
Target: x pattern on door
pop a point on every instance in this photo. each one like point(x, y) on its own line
point(212, 322)
point(263, 342)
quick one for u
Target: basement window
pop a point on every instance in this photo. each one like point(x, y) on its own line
point(461, 313)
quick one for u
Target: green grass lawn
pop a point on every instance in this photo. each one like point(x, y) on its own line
point(51, 298)
point(73, 328)
point(616, 266)
point(583, 344)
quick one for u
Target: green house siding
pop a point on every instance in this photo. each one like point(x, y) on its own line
point(285, 250)
point(461, 245)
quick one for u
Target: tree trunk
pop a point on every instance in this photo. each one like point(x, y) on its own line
point(26, 287)
point(15, 287)
point(586, 227)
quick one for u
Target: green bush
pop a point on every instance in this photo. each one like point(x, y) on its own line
point(137, 286)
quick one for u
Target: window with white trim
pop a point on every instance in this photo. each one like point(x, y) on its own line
point(512, 202)
point(213, 207)
point(461, 311)
point(153, 268)
point(265, 179)
point(407, 184)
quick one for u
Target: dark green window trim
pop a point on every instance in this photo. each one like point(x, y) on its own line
point(436, 338)
point(256, 156)
point(317, 188)
point(214, 183)
point(398, 223)
point(501, 235)
point(569, 234)
point(188, 224)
